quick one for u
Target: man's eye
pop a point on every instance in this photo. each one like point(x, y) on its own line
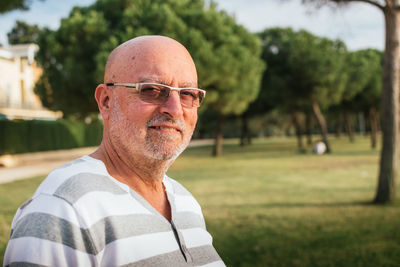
point(188, 93)
point(151, 90)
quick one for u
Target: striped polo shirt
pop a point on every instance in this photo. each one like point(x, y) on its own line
point(81, 216)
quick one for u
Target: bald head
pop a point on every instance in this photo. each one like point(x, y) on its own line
point(151, 56)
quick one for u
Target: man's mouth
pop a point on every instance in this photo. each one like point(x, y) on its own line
point(165, 128)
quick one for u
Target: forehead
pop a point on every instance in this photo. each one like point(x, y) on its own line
point(162, 62)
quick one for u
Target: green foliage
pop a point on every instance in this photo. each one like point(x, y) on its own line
point(23, 33)
point(9, 5)
point(371, 91)
point(317, 68)
point(73, 56)
point(68, 60)
point(30, 136)
point(301, 68)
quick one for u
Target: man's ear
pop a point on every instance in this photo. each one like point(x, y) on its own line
point(103, 99)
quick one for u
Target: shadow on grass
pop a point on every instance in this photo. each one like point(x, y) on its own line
point(311, 205)
point(317, 205)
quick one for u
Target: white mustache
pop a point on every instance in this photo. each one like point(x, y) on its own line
point(160, 119)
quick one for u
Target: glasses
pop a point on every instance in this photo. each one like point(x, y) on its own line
point(158, 94)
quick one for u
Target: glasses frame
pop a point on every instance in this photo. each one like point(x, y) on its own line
point(138, 87)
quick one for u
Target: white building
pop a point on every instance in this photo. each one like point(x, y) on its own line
point(18, 74)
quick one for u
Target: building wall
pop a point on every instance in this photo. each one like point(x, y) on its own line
point(18, 74)
point(17, 81)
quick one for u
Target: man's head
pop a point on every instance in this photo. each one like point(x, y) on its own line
point(133, 125)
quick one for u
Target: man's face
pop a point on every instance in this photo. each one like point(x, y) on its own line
point(156, 131)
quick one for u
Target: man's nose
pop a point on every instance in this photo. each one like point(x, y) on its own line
point(172, 107)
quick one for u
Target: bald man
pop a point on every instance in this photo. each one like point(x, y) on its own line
point(116, 207)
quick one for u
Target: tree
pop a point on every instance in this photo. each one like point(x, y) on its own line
point(225, 53)
point(9, 5)
point(305, 73)
point(386, 191)
point(23, 33)
point(277, 89)
point(235, 63)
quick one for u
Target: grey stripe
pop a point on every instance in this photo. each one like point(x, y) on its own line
point(201, 256)
point(83, 183)
point(204, 255)
point(52, 228)
point(24, 264)
point(113, 228)
point(174, 259)
point(186, 220)
point(92, 240)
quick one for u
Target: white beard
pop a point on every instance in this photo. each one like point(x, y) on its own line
point(133, 139)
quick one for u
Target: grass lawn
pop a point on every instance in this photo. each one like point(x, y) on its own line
point(267, 205)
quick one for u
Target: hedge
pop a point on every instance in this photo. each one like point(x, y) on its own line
point(20, 136)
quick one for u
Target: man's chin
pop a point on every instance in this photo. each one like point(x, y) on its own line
point(164, 152)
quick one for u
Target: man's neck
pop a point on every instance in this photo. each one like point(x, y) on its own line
point(145, 176)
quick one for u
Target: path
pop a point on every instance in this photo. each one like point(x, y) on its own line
point(41, 163)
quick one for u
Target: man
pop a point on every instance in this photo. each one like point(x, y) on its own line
point(117, 207)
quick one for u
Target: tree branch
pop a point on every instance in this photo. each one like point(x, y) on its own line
point(371, 2)
point(381, 7)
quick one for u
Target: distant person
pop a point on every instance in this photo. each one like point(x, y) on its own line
point(116, 207)
point(319, 148)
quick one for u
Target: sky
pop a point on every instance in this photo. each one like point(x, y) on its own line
point(359, 25)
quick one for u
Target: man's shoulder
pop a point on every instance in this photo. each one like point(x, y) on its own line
point(77, 178)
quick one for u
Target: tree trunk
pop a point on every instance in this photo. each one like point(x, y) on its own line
point(297, 127)
point(219, 136)
point(339, 124)
point(349, 126)
point(386, 191)
point(373, 121)
point(309, 128)
point(245, 138)
point(322, 124)
point(361, 122)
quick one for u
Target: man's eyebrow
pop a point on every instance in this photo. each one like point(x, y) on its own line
point(152, 80)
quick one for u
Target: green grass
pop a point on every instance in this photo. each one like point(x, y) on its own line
point(267, 205)
point(12, 195)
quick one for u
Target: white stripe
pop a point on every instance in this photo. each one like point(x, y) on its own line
point(44, 252)
point(214, 264)
point(16, 218)
point(187, 203)
point(196, 237)
point(96, 205)
point(49, 205)
point(132, 249)
point(60, 175)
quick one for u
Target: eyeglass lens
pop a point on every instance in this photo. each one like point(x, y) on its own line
point(158, 94)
